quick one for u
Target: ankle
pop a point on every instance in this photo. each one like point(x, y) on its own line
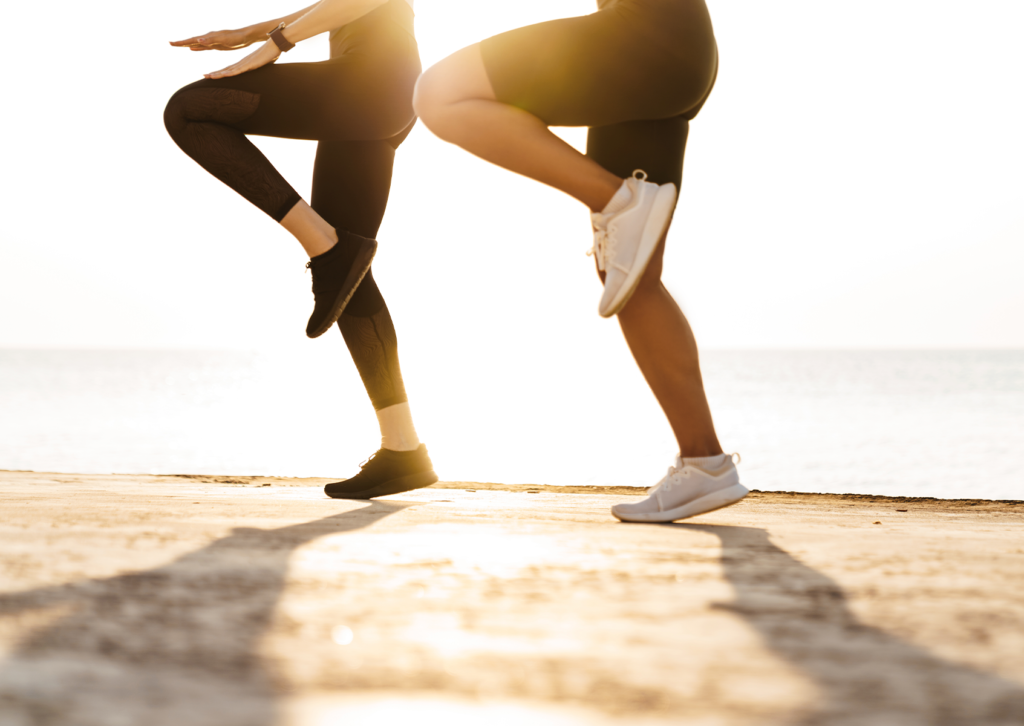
point(311, 230)
point(320, 244)
point(607, 189)
point(711, 464)
point(397, 432)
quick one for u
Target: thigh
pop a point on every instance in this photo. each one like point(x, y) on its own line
point(634, 59)
point(656, 147)
point(351, 184)
point(337, 100)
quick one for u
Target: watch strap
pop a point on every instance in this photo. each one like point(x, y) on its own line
point(280, 41)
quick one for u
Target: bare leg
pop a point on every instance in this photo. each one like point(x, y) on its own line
point(310, 229)
point(455, 100)
point(664, 348)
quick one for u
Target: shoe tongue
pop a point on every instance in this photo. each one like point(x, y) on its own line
point(679, 461)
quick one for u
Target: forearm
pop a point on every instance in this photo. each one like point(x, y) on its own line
point(328, 15)
point(260, 30)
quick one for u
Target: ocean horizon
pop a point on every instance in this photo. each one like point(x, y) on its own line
point(946, 424)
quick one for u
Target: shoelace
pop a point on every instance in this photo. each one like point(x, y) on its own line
point(602, 243)
point(370, 458)
point(605, 242)
point(668, 482)
point(605, 246)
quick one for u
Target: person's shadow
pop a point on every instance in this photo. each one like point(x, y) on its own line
point(176, 644)
point(864, 675)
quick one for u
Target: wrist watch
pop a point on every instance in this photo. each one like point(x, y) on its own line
point(280, 41)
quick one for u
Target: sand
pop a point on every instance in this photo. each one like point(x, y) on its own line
point(257, 601)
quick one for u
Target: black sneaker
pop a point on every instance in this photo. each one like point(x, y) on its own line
point(386, 472)
point(336, 275)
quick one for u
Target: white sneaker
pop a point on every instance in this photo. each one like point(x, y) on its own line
point(686, 491)
point(624, 241)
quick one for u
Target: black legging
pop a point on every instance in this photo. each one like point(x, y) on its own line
point(358, 106)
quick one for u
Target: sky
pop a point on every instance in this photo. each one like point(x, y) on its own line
point(855, 181)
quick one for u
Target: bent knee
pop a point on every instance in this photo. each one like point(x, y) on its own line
point(208, 101)
point(429, 99)
point(459, 77)
point(174, 113)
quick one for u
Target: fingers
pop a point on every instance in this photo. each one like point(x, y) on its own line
point(224, 72)
point(266, 54)
point(194, 44)
point(232, 70)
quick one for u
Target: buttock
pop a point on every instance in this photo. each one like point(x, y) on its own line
point(631, 60)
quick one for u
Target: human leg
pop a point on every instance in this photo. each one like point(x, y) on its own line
point(351, 183)
point(703, 479)
point(208, 120)
point(203, 120)
point(657, 332)
point(455, 100)
point(663, 345)
point(634, 59)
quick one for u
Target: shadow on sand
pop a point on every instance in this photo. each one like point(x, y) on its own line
point(864, 675)
point(179, 644)
point(176, 644)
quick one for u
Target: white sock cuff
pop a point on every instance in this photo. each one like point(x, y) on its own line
point(707, 463)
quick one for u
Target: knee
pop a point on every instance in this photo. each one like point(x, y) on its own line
point(429, 101)
point(445, 86)
point(176, 112)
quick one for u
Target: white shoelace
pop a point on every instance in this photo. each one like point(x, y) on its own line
point(668, 482)
point(603, 244)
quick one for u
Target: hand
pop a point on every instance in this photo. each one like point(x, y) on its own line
point(267, 53)
point(219, 40)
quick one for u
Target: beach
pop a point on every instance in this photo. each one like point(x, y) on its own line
point(256, 600)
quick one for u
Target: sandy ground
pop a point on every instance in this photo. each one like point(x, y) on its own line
point(256, 602)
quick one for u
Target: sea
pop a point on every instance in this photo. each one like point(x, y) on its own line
point(945, 424)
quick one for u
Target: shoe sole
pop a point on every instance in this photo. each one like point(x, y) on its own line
point(392, 486)
point(707, 503)
point(360, 266)
point(657, 222)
